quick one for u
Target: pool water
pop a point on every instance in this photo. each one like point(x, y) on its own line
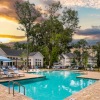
point(57, 85)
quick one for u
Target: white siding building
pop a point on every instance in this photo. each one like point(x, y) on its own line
point(35, 58)
point(66, 59)
point(92, 61)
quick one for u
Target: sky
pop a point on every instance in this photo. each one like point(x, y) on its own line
point(88, 13)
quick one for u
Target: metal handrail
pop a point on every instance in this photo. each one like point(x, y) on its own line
point(19, 87)
point(16, 84)
point(9, 85)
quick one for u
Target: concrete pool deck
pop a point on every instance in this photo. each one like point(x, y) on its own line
point(91, 92)
point(5, 96)
point(27, 76)
point(90, 74)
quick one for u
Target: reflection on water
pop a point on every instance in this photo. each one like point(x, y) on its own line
point(57, 85)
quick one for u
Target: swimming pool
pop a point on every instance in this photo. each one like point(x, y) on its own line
point(57, 85)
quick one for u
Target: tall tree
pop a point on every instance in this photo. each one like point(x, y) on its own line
point(55, 33)
point(27, 15)
point(78, 55)
point(85, 56)
point(82, 46)
point(97, 49)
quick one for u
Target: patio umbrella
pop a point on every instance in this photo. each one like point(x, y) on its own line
point(5, 59)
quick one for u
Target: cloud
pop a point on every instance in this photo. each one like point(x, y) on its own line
point(77, 3)
point(7, 9)
point(11, 36)
point(90, 33)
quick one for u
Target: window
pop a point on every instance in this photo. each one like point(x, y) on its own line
point(35, 59)
point(40, 63)
point(36, 63)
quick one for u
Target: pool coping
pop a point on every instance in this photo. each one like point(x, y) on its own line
point(82, 92)
point(24, 79)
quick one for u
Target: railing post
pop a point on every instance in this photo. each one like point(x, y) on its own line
point(19, 88)
point(13, 88)
point(24, 90)
point(9, 87)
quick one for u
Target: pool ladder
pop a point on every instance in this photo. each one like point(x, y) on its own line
point(15, 83)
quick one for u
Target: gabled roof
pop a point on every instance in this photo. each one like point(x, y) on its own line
point(32, 53)
point(92, 57)
point(12, 52)
point(70, 55)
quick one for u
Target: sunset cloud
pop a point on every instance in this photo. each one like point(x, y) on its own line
point(7, 9)
point(11, 36)
point(7, 6)
point(90, 33)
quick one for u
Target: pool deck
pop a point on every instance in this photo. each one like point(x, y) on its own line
point(90, 74)
point(91, 92)
point(5, 96)
point(27, 76)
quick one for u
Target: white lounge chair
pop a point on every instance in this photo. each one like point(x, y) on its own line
point(7, 73)
point(18, 73)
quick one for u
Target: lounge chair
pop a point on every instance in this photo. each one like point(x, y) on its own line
point(90, 69)
point(9, 67)
point(1, 73)
point(18, 73)
point(14, 68)
point(8, 74)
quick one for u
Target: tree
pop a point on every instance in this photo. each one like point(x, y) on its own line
point(17, 46)
point(97, 49)
point(23, 56)
point(27, 15)
point(85, 56)
point(55, 33)
point(82, 45)
point(78, 55)
point(4, 46)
